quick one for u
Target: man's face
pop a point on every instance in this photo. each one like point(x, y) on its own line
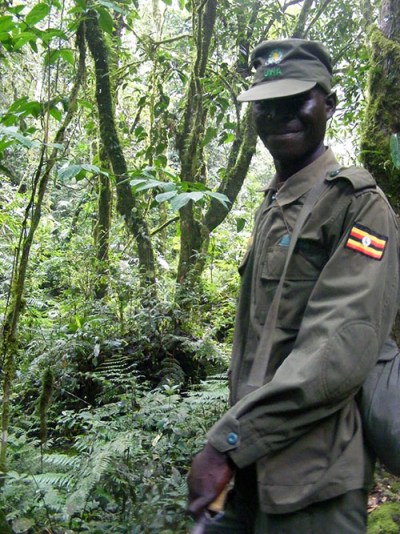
point(293, 128)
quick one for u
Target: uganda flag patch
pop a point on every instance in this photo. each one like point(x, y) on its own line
point(367, 242)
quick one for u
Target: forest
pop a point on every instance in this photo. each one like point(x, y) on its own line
point(129, 178)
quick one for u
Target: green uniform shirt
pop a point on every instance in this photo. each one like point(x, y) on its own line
point(302, 428)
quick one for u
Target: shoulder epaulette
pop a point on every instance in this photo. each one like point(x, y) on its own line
point(359, 177)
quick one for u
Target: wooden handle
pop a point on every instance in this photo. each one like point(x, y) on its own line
point(218, 503)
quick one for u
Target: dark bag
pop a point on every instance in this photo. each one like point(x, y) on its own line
point(380, 408)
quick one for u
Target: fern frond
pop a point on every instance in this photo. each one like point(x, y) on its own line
point(58, 480)
point(62, 460)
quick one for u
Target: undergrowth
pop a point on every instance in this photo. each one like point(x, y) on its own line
point(120, 467)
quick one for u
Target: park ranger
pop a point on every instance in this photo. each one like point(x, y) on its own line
point(292, 440)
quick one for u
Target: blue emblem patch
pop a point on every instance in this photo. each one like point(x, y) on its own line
point(284, 241)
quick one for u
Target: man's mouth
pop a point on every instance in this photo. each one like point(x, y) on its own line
point(277, 133)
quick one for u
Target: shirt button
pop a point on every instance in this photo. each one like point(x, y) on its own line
point(273, 196)
point(332, 174)
point(232, 438)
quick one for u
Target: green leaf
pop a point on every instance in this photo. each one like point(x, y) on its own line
point(229, 138)
point(105, 20)
point(196, 195)
point(11, 132)
point(59, 146)
point(220, 197)
point(240, 224)
point(160, 161)
point(63, 53)
point(36, 14)
point(55, 113)
point(110, 5)
point(93, 168)
point(192, 186)
point(181, 4)
point(4, 37)
point(65, 173)
point(178, 201)
point(168, 2)
point(6, 23)
point(22, 524)
point(33, 46)
point(142, 184)
point(395, 149)
point(17, 9)
point(47, 35)
point(23, 38)
point(210, 134)
point(71, 171)
point(162, 197)
point(24, 107)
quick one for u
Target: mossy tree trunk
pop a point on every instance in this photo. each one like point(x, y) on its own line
point(33, 212)
point(191, 135)
point(127, 206)
point(102, 228)
point(196, 226)
point(104, 188)
point(382, 114)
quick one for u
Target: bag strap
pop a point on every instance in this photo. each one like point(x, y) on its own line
point(261, 360)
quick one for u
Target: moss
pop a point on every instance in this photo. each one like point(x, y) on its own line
point(382, 115)
point(395, 486)
point(385, 519)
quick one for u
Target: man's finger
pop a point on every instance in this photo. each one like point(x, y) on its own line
point(198, 506)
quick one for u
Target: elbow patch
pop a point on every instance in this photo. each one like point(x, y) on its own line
point(342, 375)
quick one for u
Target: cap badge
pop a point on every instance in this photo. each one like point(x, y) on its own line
point(275, 57)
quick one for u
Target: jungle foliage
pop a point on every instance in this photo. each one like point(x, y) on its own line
point(123, 154)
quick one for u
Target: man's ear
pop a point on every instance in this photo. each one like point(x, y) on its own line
point(330, 104)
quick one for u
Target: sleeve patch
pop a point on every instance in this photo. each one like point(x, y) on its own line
point(362, 239)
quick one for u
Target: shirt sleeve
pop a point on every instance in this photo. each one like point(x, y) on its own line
point(347, 319)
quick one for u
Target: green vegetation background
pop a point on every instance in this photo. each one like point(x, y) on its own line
point(115, 335)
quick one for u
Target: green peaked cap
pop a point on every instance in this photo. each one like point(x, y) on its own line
point(288, 67)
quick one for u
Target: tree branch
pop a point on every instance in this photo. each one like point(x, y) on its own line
point(298, 32)
point(319, 12)
point(164, 225)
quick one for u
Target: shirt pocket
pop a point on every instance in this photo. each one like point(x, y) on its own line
point(304, 268)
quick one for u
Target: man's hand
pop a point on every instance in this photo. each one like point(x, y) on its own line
point(209, 475)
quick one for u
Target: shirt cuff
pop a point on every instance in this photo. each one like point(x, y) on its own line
point(238, 441)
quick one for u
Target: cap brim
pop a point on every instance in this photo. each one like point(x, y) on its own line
point(275, 89)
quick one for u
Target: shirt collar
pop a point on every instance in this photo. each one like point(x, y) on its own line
point(302, 181)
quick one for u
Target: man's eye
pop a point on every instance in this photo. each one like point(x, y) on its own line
point(261, 105)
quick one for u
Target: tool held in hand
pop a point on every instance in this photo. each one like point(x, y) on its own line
point(213, 513)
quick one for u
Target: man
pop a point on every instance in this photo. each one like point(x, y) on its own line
point(292, 438)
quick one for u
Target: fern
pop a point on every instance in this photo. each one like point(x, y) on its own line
point(62, 460)
point(58, 480)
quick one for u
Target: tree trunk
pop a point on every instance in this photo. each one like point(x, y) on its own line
point(195, 227)
point(102, 230)
point(382, 115)
point(189, 141)
point(29, 226)
point(126, 202)
point(241, 153)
